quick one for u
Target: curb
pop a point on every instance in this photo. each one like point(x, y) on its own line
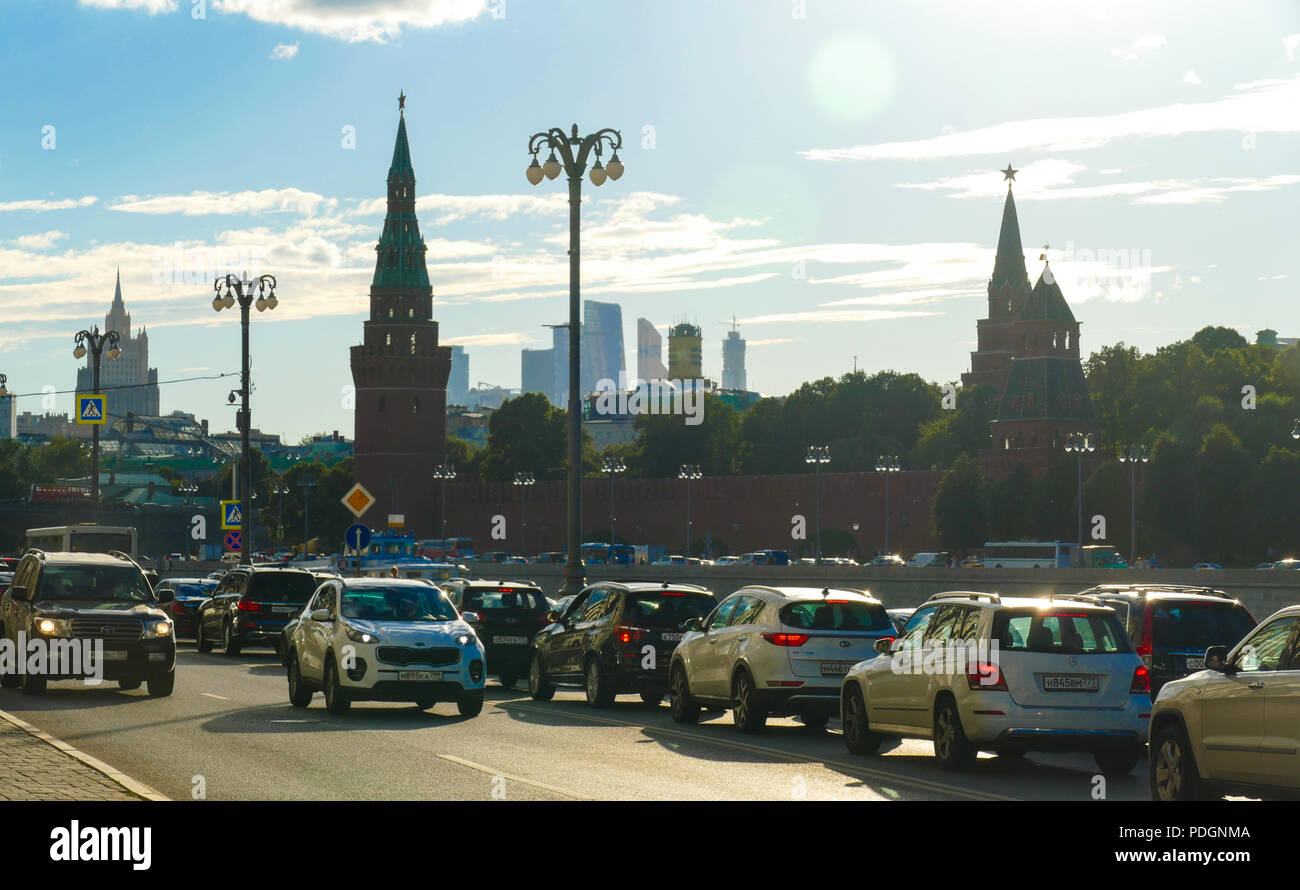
point(135, 787)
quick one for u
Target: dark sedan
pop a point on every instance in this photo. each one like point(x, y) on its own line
point(187, 594)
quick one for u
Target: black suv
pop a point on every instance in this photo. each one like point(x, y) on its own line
point(615, 638)
point(510, 613)
point(251, 606)
point(1172, 625)
point(89, 598)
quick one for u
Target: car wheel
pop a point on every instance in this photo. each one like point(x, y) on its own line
point(748, 713)
point(201, 642)
point(538, 685)
point(1173, 773)
point(858, 737)
point(425, 704)
point(652, 697)
point(336, 699)
point(230, 641)
point(508, 680)
point(951, 747)
point(32, 684)
point(1118, 762)
point(814, 722)
point(128, 684)
point(598, 692)
point(299, 694)
point(684, 708)
point(161, 685)
point(470, 705)
point(10, 680)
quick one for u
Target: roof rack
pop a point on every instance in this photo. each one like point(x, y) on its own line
point(1177, 588)
point(966, 595)
point(1089, 598)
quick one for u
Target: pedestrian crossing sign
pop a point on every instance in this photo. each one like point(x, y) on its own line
point(90, 410)
point(232, 514)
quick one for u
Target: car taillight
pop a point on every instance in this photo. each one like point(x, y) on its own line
point(178, 609)
point(1141, 684)
point(1144, 647)
point(629, 634)
point(986, 676)
point(784, 639)
point(247, 606)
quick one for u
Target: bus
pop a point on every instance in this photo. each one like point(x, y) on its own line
point(1102, 556)
point(48, 493)
point(1028, 555)
point(451, 549)
point(84, 537)
point(597, 554)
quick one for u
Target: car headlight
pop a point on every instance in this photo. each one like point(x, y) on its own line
point(466, 639)
point(359, 636)
point(156, 629)
point(53, 627)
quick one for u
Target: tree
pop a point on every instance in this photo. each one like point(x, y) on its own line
point(1212, 339)
point(526, 434)
point(959, 518)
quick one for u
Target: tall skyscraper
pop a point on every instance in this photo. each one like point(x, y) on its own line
point(649, 352)
point(458, 379)
point(685, 352)
point(537, 371)
point(560, 360)
point(602, 344)
point(128, 382)
point(733, 359)
point(400, 371)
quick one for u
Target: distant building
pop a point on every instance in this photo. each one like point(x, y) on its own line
point(649, 352)
point(487, 396)
point(458, 379)
point(560, 362)
point(537, 371)
point(1269, 337)
point(128, 383)
point(469, 426)
point(733, 360)
point(602, 344)
point(685, 352)
point(43, 426)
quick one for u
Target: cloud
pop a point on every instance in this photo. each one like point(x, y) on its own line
point(200, 203)
point(40, 204)
point(43, 241)
point(514, 338)
point(153, 7)
point(773, 341)
point(439, 210)
point(355, 20)
point(1192, 78)
point(822, 316)
point(1266, 106)
point(284, 51)
point(1147, 43)
point(1291, 43)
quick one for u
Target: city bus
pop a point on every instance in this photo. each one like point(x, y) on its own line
point(1028, 555)
point(597, 554)
point(84, 537)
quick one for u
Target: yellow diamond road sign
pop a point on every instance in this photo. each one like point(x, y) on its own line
point(358, 500)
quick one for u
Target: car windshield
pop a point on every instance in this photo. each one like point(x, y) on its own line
point(98, 583)
point(506, 599)
point(831, 614)
point(1075, 633)
point(193, 589)
point(398, 604)
point(667, 609)
point(1198, 625)
point(281, 587)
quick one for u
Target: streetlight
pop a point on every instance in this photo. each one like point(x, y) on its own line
point(523, 480)
point(573, 151)
point(307, 483)
point(1080, 444)
point(4, 393)
point(1133, 455)
point(96, 342)
point(229, 290)
point(887, 464)
point(818, 455)
point(280, 490)
point(612, 465)
point(444, 473)
point(689, 472)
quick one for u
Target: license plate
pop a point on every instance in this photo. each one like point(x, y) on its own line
point(510, 641)
point(419, 675)
point(670, 638)
point(1196, 663)
point(835, 668)
point(115, 655)
point(284, 610)
point(1071, 683)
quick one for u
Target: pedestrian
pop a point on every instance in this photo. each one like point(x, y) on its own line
point(392, 571)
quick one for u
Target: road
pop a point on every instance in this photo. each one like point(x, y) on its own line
point(230, 722)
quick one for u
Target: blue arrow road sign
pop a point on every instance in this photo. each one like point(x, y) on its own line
point(357, 536)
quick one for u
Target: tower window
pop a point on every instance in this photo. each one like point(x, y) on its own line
point(412, 343)
point(415, 405)
point(410, 313)
point(388, 339)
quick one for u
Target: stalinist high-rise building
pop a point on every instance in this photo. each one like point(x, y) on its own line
point(128, 382)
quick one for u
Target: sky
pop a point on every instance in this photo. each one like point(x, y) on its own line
point(827, 173)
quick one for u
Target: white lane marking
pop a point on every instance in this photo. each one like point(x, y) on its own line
point(214, 695)
point(495, 772)
point(840, 765)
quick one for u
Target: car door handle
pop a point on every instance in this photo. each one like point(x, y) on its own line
point(1256, 685)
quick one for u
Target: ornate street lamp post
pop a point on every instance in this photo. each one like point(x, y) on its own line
point(444, 473)
point(818, 455)
point(612, 465)
point(573, 151)
point(1133, 455)
point(94, 342)
point(1080, 444)
point(523, 480)
point(689, 472)
point(889, 465)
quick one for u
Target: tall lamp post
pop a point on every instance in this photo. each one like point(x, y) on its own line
point(444, 473)
point(1133, 455)
point(889, 465)
point(818, 455)
point(612, 465)
point(523, 480)
point(573, 153)
point(307, 483)
point(689, 472)
point(280, 490)
point(247, 293)
point(94, 342)
point(1080, 444)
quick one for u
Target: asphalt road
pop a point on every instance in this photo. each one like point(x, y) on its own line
point(229, 721)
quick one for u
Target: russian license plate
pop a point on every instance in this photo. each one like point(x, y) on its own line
point(284, 610)
point(835, 668)
point(1195, 662)
point(419, 675)
point(670, 638)
point(115, 655)
point(1071, 683)
point(510, 641)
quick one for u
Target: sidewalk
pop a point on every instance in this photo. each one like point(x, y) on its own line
point(32, 768)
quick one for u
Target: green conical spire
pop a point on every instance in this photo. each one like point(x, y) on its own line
point(1009, 267)
point(401, 165)
point(400, 252)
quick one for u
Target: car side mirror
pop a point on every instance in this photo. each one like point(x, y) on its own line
point(884, 646)
point(165, 596)
point(320, 615)
point(18, 593)
point(470, 617)
point(1216, 659)
point(694, 625)
point(552, 616)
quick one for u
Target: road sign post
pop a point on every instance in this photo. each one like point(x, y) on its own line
point(358, 538)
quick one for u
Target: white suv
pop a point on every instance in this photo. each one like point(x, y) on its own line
point(385, 639)
point(774, 651)
point(975, 671)
point(1236, 725)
